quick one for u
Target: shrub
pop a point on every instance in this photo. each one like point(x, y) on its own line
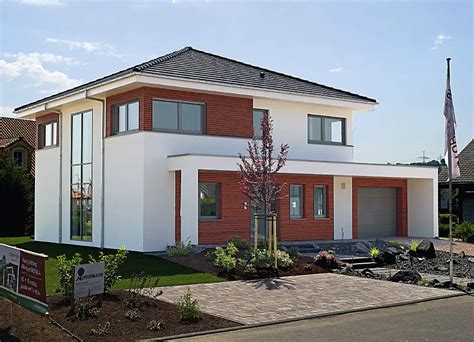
point(179, 249)
point(374, 252)
point(66, 281)
point(283, 259)
point(225, 258)
point(141, 288)
point(133, 315)
point(189, 308)
point(241, 245)
point(393, 244)
point(262, 258)
point(294, 253)
point(465, 232)
point(155, 325)
point(112, 265)
point(444, 229)
point(85, 308)
point(444, 219)
point(326, 259)
point(101, 330)
point(414, 245)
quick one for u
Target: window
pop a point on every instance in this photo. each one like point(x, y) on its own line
point(326, 130)
point(81, 177)
point(48, 134)
point(125, 117)
point(257, 121)
point(320, 201)
point(208, 200)
point(296, 201)
point(19, 157)
point(178, 117)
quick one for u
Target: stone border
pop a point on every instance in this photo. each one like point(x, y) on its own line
point(289, 320)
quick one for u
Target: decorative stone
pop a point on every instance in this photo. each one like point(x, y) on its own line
point(389, 258)
point(426, 249)
point(470, 260)
point(441, 268)
point(406, 276)
point(361, 247)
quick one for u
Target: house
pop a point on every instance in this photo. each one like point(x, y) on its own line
point(147, 156)
point(18, 140)
point(463, 186)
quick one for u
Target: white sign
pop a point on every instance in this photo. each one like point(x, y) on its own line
point(88, 280)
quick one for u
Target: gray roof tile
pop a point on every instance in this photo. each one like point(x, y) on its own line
point(466, 163)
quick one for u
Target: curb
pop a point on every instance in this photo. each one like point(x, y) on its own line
point(289, 320)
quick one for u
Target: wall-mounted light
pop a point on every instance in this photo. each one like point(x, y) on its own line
point(343, 186)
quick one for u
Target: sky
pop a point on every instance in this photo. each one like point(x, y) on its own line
point(393, 51)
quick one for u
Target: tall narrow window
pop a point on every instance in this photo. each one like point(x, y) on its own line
point(81, 177)
point(179, 117)
point(320, 201)
point(48, 134)
point(208, 201)
point(125, 117)
point(326, 130)
point(296, 201)
point(19, 157)
point(257, 121)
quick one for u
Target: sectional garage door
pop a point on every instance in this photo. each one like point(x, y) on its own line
point(377, 212)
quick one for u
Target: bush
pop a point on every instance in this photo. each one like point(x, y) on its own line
point(414, 245)
point(326, 259)
point(283, 259)
point(225, 258)
point(374, 252)
point(262, 258)
point(141, 288)
point(66, 281)
point(133, 315)
point(465, 232)
point(101, 330)
point(189, 308)
point(112, 265)
point(155, 325)
point(241, 245)
point(443, 230)
point(444, 219)
point(179, 249)
point(393, 244)
point(85, 308)
point(294, 253)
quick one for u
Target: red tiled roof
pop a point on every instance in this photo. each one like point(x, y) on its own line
point(18, 128)
point(7, 142)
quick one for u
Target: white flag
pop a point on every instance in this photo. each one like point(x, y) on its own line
point(450, 143)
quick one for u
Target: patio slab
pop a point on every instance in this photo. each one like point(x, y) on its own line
point(278, 299)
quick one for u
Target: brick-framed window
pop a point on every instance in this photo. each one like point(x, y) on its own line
point(296, 201)
point(125, 117)
point(209, 198)
point(320, 201)
point(48, 134)
point(178, 117)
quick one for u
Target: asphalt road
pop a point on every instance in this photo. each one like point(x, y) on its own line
point(449, 319)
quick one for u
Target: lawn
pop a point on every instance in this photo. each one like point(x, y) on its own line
point(169, 272)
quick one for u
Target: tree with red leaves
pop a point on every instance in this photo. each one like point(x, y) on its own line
point(258, 170)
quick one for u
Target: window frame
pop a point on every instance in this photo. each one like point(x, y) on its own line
point(116, 117)
point(325, 203)
point(24, 159)
point(263, 111)
point(42, 134)
point(218, 202)
point(322, 141)
point(179, 118)
point(301, 216)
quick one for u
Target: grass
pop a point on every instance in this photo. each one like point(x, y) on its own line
point(169, 272)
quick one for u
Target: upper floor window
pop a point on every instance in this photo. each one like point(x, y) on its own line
point(125, 117)
point(208, 200)
point(296, 201)
point(180, 117)
point(19, 157)
point(320, 201)
point(326, 130)
point(48, 134)
point(257, 122)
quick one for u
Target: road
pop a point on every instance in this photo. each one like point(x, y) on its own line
point(449, 319)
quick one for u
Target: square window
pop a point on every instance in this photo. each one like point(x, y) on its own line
point(165, 115)
point(326, 130)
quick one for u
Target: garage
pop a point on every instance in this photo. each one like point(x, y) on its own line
point(377, 212)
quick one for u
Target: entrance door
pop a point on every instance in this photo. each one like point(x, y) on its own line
point(261, 222)
point(377, 212)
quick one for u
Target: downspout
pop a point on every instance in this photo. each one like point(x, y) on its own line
point(102, 176)
point(60, 142)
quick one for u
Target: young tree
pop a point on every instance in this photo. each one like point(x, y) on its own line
point(258, 170)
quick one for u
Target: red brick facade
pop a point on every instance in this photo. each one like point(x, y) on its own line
point(224, 115)
point(46, 119)
point(402, 202)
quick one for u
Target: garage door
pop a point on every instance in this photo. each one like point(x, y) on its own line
point(377, 212)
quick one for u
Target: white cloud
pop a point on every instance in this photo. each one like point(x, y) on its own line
point(440, 40)
point(45, 57)
point(30, 70)
point(338, 69)
point(97, 48)
point(6, 111)
point(42, 2)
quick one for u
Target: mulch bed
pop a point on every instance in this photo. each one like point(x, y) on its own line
point(26, 325)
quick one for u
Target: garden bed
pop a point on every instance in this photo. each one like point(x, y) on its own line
point(26, 325)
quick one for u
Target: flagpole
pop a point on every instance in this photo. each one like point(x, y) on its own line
point(448, 60)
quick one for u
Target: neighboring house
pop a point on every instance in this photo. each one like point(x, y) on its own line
point(18, 140)
point(148, 156)
point(463, 186)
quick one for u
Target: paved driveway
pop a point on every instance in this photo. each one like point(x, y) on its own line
point(271, 300)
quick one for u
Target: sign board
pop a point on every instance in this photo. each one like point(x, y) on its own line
point(23, 278)
point(89, 279)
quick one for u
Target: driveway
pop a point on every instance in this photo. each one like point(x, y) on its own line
point(273, 300)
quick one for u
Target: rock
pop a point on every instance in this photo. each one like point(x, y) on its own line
point(393, 250)
point(434, 282)
point(361, 247)
point(406, 276)
point(404, 257)
point(470, 260)
point(367, 272)
point(426, 249)
point(441, 268)
point(443, 285)
point(470, 285)
point(462, 254)
point(389, 258)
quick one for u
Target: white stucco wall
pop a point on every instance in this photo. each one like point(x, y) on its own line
point(342, 208)
point(423, 207)
point(47, 194)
